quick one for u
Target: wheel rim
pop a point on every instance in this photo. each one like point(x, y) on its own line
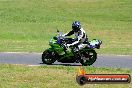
point(89, 56)
point(90, 59)
point(48, 58)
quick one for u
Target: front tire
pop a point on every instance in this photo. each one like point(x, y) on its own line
point(90, 59)
point(48, 57)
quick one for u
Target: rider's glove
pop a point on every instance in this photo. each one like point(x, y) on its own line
point(68, 45)
point(63, 35)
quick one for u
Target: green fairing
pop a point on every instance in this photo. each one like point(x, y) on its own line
point(55, 47)
point(60, 50)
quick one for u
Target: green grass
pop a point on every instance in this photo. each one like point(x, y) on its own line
point(27, 25)
point(20, 76)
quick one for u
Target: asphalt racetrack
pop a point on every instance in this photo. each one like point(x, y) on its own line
point(34, 59)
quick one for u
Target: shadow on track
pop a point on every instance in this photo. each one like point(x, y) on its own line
point(63, 64)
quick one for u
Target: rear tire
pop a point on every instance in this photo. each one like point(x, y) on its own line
point(48, 57)
point(92, 58)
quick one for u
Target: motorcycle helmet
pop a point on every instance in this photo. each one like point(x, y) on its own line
point(76, 26)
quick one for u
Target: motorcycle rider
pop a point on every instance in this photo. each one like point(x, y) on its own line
point(80, 36)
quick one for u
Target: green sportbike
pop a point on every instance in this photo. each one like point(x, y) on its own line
point(59, 52)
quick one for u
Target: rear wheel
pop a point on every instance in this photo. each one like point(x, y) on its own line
point(48, 57)
point(88, 58)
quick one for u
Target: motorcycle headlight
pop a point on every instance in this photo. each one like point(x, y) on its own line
point(52, 41)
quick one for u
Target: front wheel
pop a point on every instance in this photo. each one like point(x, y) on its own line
point(48, 57)
point(88, 58)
